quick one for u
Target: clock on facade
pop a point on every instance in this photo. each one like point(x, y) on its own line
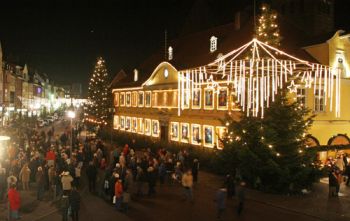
point(166, 73)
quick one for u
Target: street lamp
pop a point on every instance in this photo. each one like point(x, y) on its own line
point(71, 115)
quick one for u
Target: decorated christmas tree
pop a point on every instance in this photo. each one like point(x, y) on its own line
point(267, 29)
point(270, 152)
point(98, 96)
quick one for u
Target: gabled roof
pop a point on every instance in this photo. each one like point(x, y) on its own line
point(193, 50)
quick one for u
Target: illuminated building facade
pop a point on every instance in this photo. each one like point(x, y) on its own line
point(149, 104)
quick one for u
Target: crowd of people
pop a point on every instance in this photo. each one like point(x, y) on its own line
point(339, 172)
point(39, 160)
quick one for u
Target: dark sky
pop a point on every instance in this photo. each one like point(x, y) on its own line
point(63, 38)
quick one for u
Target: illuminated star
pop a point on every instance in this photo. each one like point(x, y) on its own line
point(308, 81)
point(293, 87)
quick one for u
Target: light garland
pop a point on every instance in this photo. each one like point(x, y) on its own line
point(256, 81)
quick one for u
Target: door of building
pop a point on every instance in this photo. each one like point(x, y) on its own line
point(164, 133)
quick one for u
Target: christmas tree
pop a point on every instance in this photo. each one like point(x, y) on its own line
point(270, 153)
point(98, 96)
point(267, 30)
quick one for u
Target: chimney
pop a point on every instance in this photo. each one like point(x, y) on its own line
point(237, 20)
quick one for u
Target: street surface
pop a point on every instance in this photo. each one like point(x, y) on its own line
point(168, 204)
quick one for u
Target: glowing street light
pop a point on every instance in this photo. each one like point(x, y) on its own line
point(71, 115)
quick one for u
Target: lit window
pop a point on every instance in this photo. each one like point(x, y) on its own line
point(301, 96)
point(213, 43)
point(170, 53)
point(319, 103)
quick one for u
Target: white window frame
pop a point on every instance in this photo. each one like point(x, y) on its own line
point(301, 97)
point(141, 126)
point(133, 127)
point(200, 98)
point(124, 97)
point(213, 136)
point(116, 122)
point(213, 43)
point(126, 123)
point(177, 138)
point(150, 99)
point(122, 126)
point(116, 99)
point(149, 122)
point(158, 129)
point(143, 99)
point(317, 103)
point(193, 141)
point(204, 97)
point(188, 131)
point(217, 99)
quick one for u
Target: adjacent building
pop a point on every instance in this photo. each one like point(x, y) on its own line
point(23, 91)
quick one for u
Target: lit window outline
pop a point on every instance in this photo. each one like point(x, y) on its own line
point(206, 107)
point(189, 137)
point(195, 142)
point(213, 43)
point(317, 103)
point(212, 134)
point(122, 104)
point(172, 137)
point(217, 135)
point(158, 130)
point(126, 99)
point(217, 99)
point(196, 107)
point(116, 99)
point(148, 122)
point(143, 98)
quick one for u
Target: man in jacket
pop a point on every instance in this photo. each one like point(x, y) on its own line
point(91, 172)
point(187, 184)
point(74, 201)
point(66, 180)
point(40, 182)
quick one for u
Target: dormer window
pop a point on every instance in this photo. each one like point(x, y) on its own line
point(213, 43)
point(136, 75)
point(170, 53)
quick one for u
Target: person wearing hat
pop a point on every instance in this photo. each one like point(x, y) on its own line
point(118, 191)
point(66, 181)
point(40, 182)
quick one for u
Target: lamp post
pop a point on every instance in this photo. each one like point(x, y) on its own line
point(71, 115)
point(111, 111)
point(3, 144)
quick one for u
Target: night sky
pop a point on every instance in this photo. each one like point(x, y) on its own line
point(63, 38)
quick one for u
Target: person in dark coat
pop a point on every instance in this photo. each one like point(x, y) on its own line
point(220, 199)
point(195, 169)
point(91, 172)
point(74, 202)
point(40, 181)
point(230, 186)
point(151, 179)
point(64, 205)
point(333, 183)
point(241, 198)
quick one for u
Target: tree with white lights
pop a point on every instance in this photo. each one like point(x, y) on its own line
point(98, 96)
point(267, 29)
